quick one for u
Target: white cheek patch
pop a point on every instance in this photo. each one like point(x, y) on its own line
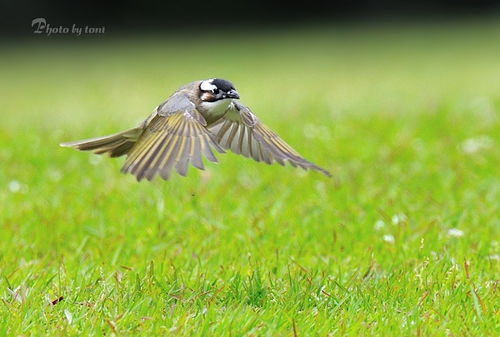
point(207, 85)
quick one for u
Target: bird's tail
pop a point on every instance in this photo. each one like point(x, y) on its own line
point(114, 145)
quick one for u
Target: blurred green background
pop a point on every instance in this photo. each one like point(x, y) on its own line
point(403, 240)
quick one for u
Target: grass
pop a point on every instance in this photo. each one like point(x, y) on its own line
point(403, 240)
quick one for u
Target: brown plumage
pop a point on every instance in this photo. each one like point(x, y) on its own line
point(198, 118)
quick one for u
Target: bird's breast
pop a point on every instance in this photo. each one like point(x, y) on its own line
point(212, 111)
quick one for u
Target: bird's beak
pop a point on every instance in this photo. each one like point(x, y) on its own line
point(232, 94)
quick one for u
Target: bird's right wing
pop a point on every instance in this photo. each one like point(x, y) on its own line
point(174, 136)
point(243, 133)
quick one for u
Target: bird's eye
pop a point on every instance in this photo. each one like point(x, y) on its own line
point(215, 91)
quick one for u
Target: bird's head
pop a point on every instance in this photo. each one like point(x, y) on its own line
point(217, 89)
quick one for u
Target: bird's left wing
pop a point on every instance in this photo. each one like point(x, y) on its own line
point(242, 132)
point(173, 136)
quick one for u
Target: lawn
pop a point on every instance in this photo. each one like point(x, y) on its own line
point(403, 240)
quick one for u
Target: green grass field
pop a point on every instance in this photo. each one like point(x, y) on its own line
point(402, 241)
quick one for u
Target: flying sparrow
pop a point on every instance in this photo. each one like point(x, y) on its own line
point(198, 117)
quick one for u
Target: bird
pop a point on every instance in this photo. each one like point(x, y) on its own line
point(200, 118)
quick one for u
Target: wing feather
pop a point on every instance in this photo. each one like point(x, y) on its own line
point(171, 141)
point(241, 132)
point(205, 147)
point(195, 156)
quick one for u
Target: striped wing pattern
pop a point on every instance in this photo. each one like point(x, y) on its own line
point(170, 141)
point(241, 132)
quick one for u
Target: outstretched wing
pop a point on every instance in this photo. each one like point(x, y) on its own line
point(242, 132)
point(175, 135)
